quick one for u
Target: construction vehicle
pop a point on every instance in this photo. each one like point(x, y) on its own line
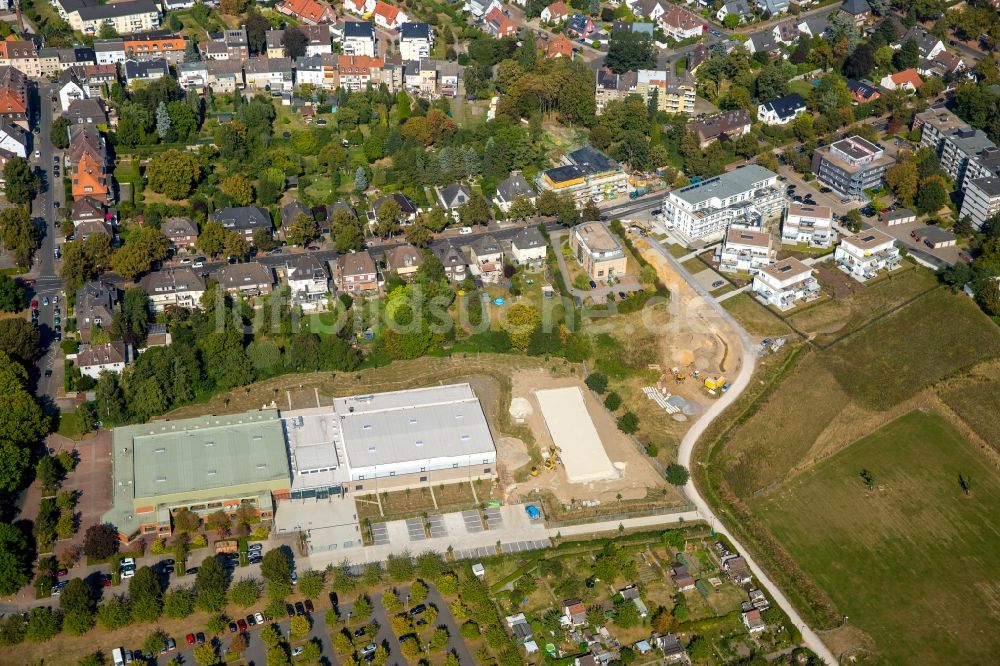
point(678, 375)
point(549, 464)
point(714, 384)
point(534, 471)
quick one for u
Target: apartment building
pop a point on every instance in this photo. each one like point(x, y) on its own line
point(808, 225)
point(935, 125)
point(867, 253)
point(125, 17)
point(703, 211)
point(728, 124)
point(20, 53)
point(173, 287)
point(959, 148)
point(415, 41)
point(851, 166)
point(785, 283)
point(981, 200)
point(587, 174)
point(359, 39)
point(744, 250)
point(598, 251)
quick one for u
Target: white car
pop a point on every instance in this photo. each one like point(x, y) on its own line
point(185, 261)
point(198, 264)
point(296, 651)
point(127, 573)
point(465, 231)
point(37, 154)
point(128, 562)
point(259, 617)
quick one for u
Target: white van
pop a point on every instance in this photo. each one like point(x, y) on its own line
point(117, 658)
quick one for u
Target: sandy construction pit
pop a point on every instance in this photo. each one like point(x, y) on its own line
point(636, 474)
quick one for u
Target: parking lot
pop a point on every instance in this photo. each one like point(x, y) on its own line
point(473, 522)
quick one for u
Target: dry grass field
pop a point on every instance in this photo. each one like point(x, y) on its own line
point(913, 561)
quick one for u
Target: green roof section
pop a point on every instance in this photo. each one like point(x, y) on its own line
point(169, 463)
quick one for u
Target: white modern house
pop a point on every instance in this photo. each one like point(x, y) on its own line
point(415, 41)
point(744, 249)
point(178, 287)
point(782, 110)
point(108, 357)
point(867, 253)
point(785, 283)
point(808, 225)
point(308, 281)
point(528, 247)
point(704, 210)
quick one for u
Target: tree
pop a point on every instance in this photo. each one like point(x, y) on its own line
point(612, 401)
point(59, 133)
point(902, 178)
point(278, 573)
point(360, 180)
point(475, 211)
point(302, 230)
point(78, 606)
point(628, 615)
point(362, 608)
point(867, 478)
point(988, 297)
point(629, 51)
point(145, 595)
point(178, 603)
point(400, 568)
point(18, 233)
point(387, 218)
point(245, 593)
point(410, 648)
point(932, 196)
point(418, 234)
point(162, 121)
point(145, 246)
point(597, 382)
point(237, 188)
point(43, 624)
point(677, 475)
point(212, 237)
point(210, 586)
point(311, 584)
point(15, 559)
point(174, 174)
point(628, 423)
point(299, 628)
point(12, 296)
point(20, 181)
point(908, 55)
point(20, 339)
point(861, 62)
point(84, 260)
point(206, 655)
point(100, 541)
point(295, 42)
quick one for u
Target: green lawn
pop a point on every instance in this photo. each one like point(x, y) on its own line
point(914, 562)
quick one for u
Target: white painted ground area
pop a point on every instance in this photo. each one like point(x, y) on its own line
point(573, 431)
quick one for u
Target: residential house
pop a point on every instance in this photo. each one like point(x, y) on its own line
point(859, 11)
point(246, 279)
point(89, 168)
point(862, 92)
point(454, 262)
point(850, 166)
point(86, 112)
point(556, 13)
point(87, 209)
point(786, 33)
point(519, 627)
point(672, 648)
point(631, 593)
point(650, 9)
point(108, 357)
point(308, 281)
point(320, 71)
point(907, 80)
point(173, 287)
point(586, 174)
point(785, 283)
point(21, 54)
point(85, 230)
point(574, 613)
point(560, 46)
point(498, 25)
point(516, 185)
point(359, 39)
point(415, 41)
point(867, 253)
point(420, 78)
point(358, 72)
point(762, 42)
point(125, 17)
point(355, 273)
point(145, 71)
point(579, 25)
point(193, 75)
point(359, 7)
point(308, 12)
point(95, 306)
point(230, 44)
point(480, 8)
point(734, 8)
point(528, 247)
point(728, 124)
point(892, 218)
point(269, 73)
point(408, 208)
point(404, 260)
point(388, 17)
point(244, 220)
point(680, 24)
point(809, 225)
point(928, 45)
point(744, 250)
point(14, 96)
point(598, 251)
point(737, 570)
point(782, 110)
point(53, 60)
point(753, 622)
point(746, 197)
point(155, 46)
point(683, 580)
point(182, 232)
point(773, 7)
point(944, 64)
point(453, 197)
point(13, 138)
point(274, 43)
point(225, 76)
point(106, 52)
point(486, 258)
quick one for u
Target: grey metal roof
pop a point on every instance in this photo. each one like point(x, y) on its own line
point(726, 185)
point(116, 9)
point(402, 426)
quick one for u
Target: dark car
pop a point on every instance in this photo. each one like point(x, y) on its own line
point(251, 621)
point(167, 562)
point(418, 609)
point(300, 609)
point(358, 633)
point(290, 609)
point(200, 637)
point(255, 559)
point(825, 190)
point(233, 628)
point(593, 285)
point(621, 295)
point(656, 212)
point(309, 606)
point(717, 284)
point(192, 571)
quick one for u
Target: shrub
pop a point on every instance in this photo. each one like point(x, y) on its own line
point(612, 401)
point(677, 475)
point(597, 382)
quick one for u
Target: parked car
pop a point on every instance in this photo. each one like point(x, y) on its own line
point(309, 606)
point(718, 283)
point(200, 637)
point(465, 231)
point(191, 572)
point(189, 639)
point(251, 621)
point(417, 610)
point(290, 609)
point(593, 285)
point(241, 624)
point(259, 617)
point(255, 559)
point(300, 609)
point(296, 651)
point(233, 628)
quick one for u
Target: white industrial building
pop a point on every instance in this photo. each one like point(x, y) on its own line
point(704, 210)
